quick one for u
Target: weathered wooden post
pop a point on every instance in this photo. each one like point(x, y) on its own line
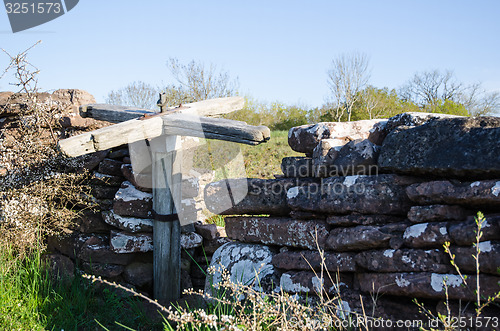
point(166, 170)
point(163, 131)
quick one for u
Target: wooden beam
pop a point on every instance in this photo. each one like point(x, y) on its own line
point(112, 136)
point(134, 130)
point(170, 124)
point(215, 128)
point(112, 113)
point(117, 114)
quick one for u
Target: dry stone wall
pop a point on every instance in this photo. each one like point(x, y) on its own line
point(116, 242)
point(379, 199)
point(371, 203)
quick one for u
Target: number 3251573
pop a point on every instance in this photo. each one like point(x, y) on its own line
point(32, 8)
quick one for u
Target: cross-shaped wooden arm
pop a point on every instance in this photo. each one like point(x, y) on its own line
point(163, 131)
point(188, 121)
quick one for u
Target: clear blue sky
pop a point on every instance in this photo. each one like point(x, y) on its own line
point(280, 50)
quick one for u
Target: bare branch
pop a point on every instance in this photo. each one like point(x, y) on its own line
point(138, 94)
point(431, 89)
point(348, 75)
point(202, 82)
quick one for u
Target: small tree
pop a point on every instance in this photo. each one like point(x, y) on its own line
point(201, 81)
point(194, 82)
point(137, 94)
point(437, 91)
point(380, 103)
point(478, 101)
point(347, 76)
point(428, 89)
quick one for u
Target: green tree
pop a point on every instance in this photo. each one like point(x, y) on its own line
point(250, 114)
point(436, 91)
point(275, 115)
point(452, 108)
point(287, 117)
point(376, 102)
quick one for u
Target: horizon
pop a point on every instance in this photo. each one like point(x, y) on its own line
point(279, 51)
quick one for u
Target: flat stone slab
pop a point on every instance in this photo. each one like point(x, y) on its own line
point(414, 119)
point(306, 215)
point(357, 157)
point(308, 260)
point(118, 154)
point(126, 242)
point(105, 180)
point(129, 201)
point(106, 270)
point(489, 257)
point(360, 219)
point(251, 196)
point(71, 243)
point(427, 285)
point(460, 147)
point(304, 138)
point(96, 249)
point(484, 193)
point(404, 260)
point(103, 192)
point(277, 231)
point(435, 213)
point(297, 166)
point(426, 235)
point(464, 233)
point(308, 282)
point(247, 264)
point(357, 238)
point(191, 240)
point(130, 224)
point(383, 194)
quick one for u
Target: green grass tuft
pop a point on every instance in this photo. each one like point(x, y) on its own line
point(31, 300)
point(264, 160)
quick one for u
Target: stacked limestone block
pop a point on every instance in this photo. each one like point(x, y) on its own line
point(117, 241)
point(89, 242)
point(380, 198)
point(114, 239)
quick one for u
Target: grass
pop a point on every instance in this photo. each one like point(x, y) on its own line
point(260, 161)
point(264, 160)
point(234, 305)
point(21, 282)
point(230, 160)
point(31, 300)
point(217, 220)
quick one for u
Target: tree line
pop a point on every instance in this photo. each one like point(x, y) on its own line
point(351, 97)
